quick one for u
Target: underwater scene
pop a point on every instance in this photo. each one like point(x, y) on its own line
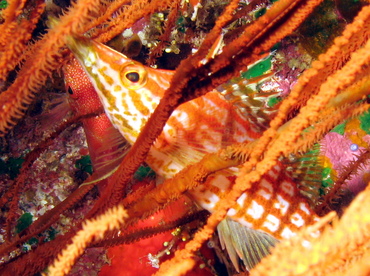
point(156, 137)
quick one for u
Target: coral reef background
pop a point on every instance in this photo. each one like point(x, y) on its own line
point(44, 153)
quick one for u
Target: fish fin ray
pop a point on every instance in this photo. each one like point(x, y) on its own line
point(248, 244)
point(253, 104)
point(109, 156)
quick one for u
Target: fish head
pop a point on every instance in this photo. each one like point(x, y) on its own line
point(82, 96)
point(128, 90)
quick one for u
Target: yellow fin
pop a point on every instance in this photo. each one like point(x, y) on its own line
point(242, 242)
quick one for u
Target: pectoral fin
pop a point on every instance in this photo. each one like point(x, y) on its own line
point(108, 157)
point(242, 242)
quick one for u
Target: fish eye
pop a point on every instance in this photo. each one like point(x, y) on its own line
point(70, 91)
point(133, 75)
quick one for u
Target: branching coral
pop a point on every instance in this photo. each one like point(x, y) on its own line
point(92, 230)
point(338, 250)
point(331, 91)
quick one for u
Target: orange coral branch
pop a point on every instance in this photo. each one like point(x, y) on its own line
point(15, 45)
point(10, 14)
point(154, 126)
point(283, 143)
point(148, 232)
point(130, 15)
point(254, 41)
point(259, 29)
point(38, 67)
point(354, 36)
point(185, 180)
point(111, 9)
point(91, 230)
point(165, 37)
point(308, 83)
point(360, 267)
point(332, 118)
point(328, 90)
point(350, 170)
point(198, 79)
point(12, 195)
point(330, 252)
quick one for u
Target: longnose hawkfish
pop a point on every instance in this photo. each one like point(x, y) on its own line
point(106, 148)
point(130, 92)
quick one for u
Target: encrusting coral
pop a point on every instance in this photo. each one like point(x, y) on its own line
point(334, 89)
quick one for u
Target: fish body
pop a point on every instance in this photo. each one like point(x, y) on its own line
point(274, 205)
point(106, 145)
point(130, 92)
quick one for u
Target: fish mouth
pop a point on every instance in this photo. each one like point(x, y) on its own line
point(83, 49)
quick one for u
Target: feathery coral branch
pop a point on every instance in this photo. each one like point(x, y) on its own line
point(38, 67)
point(354, 225)
point(284, 142)
point(92, 230)
point(319, 90)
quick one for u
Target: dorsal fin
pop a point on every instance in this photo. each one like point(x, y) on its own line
point(253, 104)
